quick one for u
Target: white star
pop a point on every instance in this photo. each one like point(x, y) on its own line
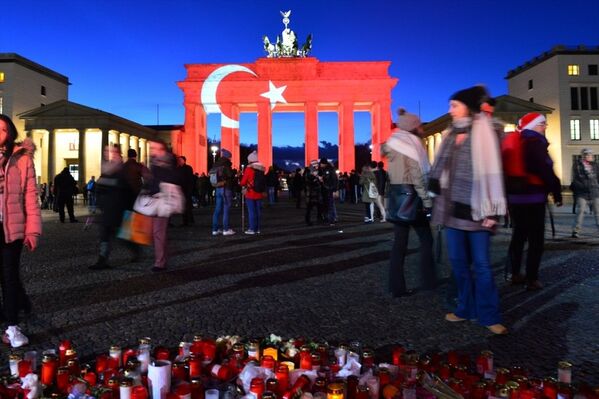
point(274, 94)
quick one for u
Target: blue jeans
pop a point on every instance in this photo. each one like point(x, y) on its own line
point(224, 198)
point(477, 294)
point(271, 195)
point(254, 213)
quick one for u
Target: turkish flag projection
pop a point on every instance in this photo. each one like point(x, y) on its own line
point(284, 85)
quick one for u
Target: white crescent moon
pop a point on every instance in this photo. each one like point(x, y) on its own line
point(208, 94)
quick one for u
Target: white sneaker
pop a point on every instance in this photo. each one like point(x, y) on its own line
point(15, 337)
point(217, 232)
point(250, 232)
point(228, 232)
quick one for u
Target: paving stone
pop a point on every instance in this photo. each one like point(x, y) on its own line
point(294, 280)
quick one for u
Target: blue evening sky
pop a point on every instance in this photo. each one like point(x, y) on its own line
point(125, 56)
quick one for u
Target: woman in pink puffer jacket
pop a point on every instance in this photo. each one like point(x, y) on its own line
point(21, 222)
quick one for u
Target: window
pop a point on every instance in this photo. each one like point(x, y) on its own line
point(594, 127)
point(43, 90)
point(530, 84)
point(574, 129)
point(1, 105)
point(594, 98)
point(584, 98)
point(532, 100)
point(573, 70)
point(574, 98)
point(2, 76)
point(593, 69)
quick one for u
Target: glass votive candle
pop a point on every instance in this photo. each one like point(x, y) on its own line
point(211, 394)
point(564, 372)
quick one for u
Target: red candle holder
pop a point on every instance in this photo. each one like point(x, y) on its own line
point(257, 387)
point(305, 362)
point(127, 354)
point(101, 363)
point(139, 392)
point(453, 358)
point(396, 354)
point(209, 349)
point(49, 367)
point(24, 368)
point(268, 362)
point(62, 351)
point(162, 353)
point(62, 379)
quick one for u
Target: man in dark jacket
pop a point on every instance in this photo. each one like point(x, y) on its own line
point(585, 186)
point(527, 197)
point(313, 185)
point(64, 188)
point(134, 174)
point(330, 184)
point(223, 172)
point(188, 184)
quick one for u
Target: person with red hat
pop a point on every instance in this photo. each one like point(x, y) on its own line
point(529, 178)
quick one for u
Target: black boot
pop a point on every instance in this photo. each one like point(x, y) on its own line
point(102, 263)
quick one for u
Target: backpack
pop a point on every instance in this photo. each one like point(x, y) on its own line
point(216, 176)
point(91, 185)
point(259, 181)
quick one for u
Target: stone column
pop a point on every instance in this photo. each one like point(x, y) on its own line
point(384, 129)
point(143, 155)
point(124, 142)
point(134, 143)
point(438, 139)
point(82, 158)
point(229, 135)
point(265, 134)
point(311, 133)
point(235, 144)
point(375, 131)
point(51, 155)
point(347, 148)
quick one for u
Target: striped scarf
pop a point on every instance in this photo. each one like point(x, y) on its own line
point(487, 195)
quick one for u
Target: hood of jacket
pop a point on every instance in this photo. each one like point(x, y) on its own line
point(27, 146)
point(257, 166)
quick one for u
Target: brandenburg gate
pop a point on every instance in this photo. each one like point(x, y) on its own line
point(285, 81)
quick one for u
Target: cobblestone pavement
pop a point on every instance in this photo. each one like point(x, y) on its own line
point(319, 282)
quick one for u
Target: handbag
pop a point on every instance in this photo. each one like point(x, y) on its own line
point(168, 201)
point(403, 203)
point(146, 204)
point(372, 191)
point(171, 200)
point(136, 228)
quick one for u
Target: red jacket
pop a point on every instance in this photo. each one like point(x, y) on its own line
point(20, 208)
point(247, 181)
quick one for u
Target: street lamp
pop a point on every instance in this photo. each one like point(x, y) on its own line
point(214, 150)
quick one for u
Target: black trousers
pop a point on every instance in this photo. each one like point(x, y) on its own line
point(188, 213)
point(13, 293)
point(528, 221)
point(68, 201)
point(397, 280)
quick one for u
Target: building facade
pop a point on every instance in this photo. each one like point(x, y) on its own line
point(25, 85)
point(72, 135)
point(567, 80)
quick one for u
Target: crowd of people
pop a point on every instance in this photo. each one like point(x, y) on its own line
point(479, 174)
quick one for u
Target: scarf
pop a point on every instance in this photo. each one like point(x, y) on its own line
point(487, 195)
point(410, 145)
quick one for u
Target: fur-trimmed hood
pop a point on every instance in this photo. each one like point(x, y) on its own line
point(27, 146)
point(257, 166)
